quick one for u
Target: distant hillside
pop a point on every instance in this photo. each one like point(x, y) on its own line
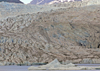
point(40, 1)
point(50, 1)
point(14, 9)
point(13, 1)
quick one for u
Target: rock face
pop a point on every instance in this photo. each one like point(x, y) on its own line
point(12, 1)
point(68, 34)
point(13, 9)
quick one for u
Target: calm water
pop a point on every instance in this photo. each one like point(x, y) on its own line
point(25, 68)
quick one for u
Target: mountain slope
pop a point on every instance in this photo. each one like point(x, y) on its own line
point(49, 1)
point(40, 1)
point(64, 1)
point(15, 9)
point(70, 35)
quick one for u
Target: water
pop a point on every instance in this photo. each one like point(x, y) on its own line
point(25, 68)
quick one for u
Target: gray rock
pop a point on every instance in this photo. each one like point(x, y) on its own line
point(87, 61)
point(1, 63)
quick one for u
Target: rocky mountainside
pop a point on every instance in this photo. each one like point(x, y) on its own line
point(12, 1)
point(13, 9)
point(87, 2)
point(50, 1)
point(70, 34)
point(78, 3)
point(40, 1)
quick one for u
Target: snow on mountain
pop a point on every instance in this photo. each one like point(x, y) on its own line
point(50, 1)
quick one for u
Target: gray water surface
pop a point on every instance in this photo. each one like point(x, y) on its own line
point(25, 68)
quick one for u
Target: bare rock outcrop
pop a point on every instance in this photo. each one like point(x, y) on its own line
point(70, 35)
point(14, 9)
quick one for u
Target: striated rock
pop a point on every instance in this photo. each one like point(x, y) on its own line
point(66, 34)
point(13, 9)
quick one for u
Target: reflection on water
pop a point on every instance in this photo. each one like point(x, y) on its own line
point(25, 68)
